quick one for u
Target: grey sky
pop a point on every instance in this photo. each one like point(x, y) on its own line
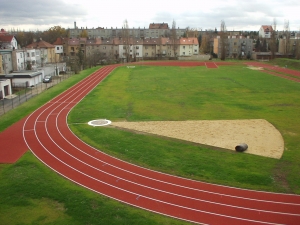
point(238, 15)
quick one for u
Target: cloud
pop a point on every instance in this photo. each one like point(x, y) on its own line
point(39, 12)
point(238, 15)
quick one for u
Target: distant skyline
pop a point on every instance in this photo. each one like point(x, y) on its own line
point(32, 15)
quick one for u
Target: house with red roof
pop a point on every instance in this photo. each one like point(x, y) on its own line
point(47, 51)
point(265, 31)
point(8, 42)
point(188, 47)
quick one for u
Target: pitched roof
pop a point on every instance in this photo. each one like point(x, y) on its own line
point(188, 41)
point(96, 41)
point(40, 44)
point(267, 27)
point(158, 26)
point(59, 41)
point(6, 38)
point(151, 41)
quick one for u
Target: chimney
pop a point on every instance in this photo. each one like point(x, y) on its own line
point(74, 24)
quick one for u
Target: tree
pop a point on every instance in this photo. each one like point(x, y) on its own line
point(273, 40)
point(205, 46)
point(174, 38)
point(53, 33)
point(287, 36)
point(257, 45)
point(126, 40)
point(84, 34)
point(223, 40)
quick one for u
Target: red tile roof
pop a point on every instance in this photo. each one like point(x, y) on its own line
point(269, 27)
point(6, 38)
point(40, 44)
point(188, 41)
point(59, 41)
point(158, 26)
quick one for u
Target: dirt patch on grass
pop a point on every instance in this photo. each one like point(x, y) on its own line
point(261, 137)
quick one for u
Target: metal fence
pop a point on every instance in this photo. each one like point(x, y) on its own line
point(22, 93)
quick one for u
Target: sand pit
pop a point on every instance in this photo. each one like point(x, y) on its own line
point(261, 137)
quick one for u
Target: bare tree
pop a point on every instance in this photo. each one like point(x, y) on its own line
point(205, 45)
point(287, 36)
point(273, 40)
point(126, 40)
point(297, 46)
point(223, 40)
point(174, 38)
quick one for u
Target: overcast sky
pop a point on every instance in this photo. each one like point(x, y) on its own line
point(238, 15)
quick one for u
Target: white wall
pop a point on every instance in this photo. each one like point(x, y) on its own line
point(59, 49)
point(4, 83)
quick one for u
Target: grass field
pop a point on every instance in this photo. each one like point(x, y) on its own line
point(30, 193)
point(178, 93)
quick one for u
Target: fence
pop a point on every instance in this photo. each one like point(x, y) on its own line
point(22, 93)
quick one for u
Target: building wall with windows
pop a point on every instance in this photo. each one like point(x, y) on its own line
point(7, 60)
point(235, 46)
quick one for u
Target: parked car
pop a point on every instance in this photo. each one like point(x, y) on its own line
point(47, 79)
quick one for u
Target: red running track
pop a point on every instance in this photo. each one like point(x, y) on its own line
point(47, 134)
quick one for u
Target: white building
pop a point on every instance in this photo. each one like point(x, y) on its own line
point(265, 31)
point(5, 88)
point(8, 42)
point(188, 47)
point(6, 55)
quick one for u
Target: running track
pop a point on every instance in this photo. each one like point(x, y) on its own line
point(47, 134)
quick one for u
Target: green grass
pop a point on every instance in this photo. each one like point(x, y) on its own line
point(290, 63)
point(174, 93)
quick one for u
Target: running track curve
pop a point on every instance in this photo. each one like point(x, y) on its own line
point(47, 134)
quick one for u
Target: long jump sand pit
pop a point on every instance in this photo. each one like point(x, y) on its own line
point(261, 136)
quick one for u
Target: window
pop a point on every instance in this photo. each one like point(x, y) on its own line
point(183, 53)
point(104, 47)
point(21, 55)
point(57, 48)
point(146, 54)
point(183, 47)
point(137, 47)
point(137, 53)
point(28, 55)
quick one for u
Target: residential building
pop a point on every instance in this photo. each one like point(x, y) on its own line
point(47, 51)
point(5, 87)
point(155, 30)
point(188, 46)
point(149, 47)
point(265, 31)
point(8, 42)
point(19, 60)
point(236, 46)
point(59, 48)
point(7, 65)
point(131, 49)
